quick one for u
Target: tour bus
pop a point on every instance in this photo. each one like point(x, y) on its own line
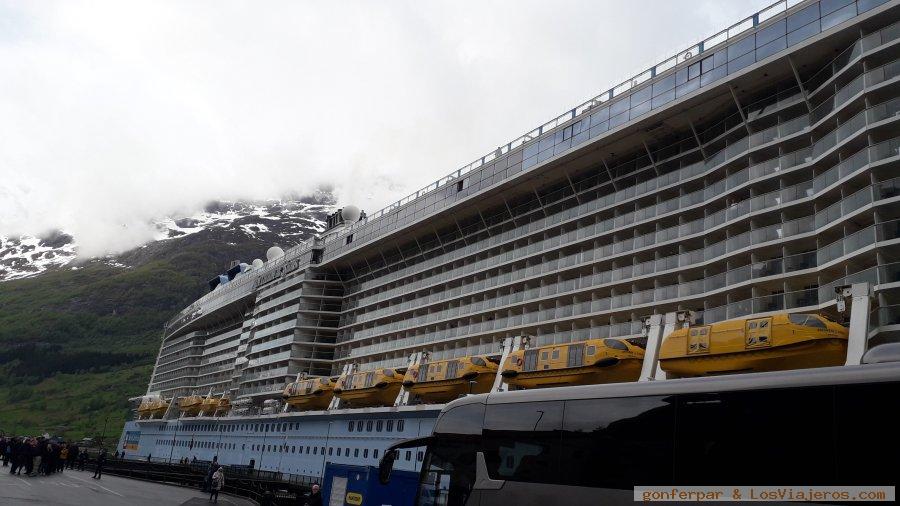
point(830, 426)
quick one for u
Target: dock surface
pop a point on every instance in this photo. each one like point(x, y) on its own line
point(78, 488)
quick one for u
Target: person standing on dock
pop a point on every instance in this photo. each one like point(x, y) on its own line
point(101, 460)
point(218, 481)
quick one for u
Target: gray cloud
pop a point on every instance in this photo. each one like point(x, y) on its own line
point(114, 113)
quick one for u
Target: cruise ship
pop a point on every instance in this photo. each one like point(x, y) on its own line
point(751, 176)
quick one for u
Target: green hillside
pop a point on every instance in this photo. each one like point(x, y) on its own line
point(76, 344)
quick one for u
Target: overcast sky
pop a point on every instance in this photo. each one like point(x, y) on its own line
point(112, 114)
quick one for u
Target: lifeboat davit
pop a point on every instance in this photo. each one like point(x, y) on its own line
point(310, 393)
point(773, 343)
point(444, 380)
point(609, 360)
point(190, 405)
point(372, 388)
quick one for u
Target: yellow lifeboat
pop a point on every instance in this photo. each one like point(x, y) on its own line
point(773, 343)
point(152, 407)
point(190, 405)
point(445, 380)
point(224, 406)
point(608, 360)
point(310, 393)
point(212, 406)
point(373, 388)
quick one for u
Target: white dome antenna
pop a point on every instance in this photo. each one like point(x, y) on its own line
point(274, 253)
point(257, 264)
point(350, 214)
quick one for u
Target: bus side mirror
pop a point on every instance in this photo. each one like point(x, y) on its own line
point(385, 466)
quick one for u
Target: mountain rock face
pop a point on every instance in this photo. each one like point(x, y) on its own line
point(284, 222)
point(78, 337)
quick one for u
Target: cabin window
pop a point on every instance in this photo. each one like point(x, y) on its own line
point(705, 331)
point(356, 452)
point(366, 453)
point(763, 324)
point(390, 425)
point(359, 426)
point(555, 354)
point(752, 325)
point(331, 450)
point(591, 350)
point(400, 425)
point(350, 426)
point(315, 450)
point(369, 426)
point(694, 333)
point(544, 356)
point(375, 453)
point(379, 425)
point(408, 455)
point(479, 361)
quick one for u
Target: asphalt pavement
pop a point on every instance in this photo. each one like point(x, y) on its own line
point(77, 488)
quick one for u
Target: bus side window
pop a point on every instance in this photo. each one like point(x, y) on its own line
point(521, 441)
point(867, 432)
point(618, 442)
point(766, 437)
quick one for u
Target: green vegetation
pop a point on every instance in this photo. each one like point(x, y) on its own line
point(76, 344)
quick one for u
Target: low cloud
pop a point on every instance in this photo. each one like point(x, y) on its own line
point(112, 114)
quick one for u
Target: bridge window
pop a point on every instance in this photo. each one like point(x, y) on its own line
point(379, 425)
point(350, 426)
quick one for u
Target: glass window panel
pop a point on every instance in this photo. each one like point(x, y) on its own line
point(838, 17)
point(771, 48)
point(694, 71)
point(687, 87)
point(741, 47)
point(663, 99)
point(600, 116)
point(866, 5)
point(707, 64)
point(630, 429)
point(618, 120)
point(712, 427)
point(713, 76)
point(720, 57)
point(639, 109)
point(619, 107)
point(803, 33)
point(741, 62)
point(640, 96)
point(681, 76)
point(770, 33)
point(829, 6)
point(663, 85)
point(802, 18)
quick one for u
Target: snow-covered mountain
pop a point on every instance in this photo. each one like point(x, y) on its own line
point(278, 221)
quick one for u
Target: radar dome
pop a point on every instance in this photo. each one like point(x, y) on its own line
point(274, 253)
point(350, 214)
point(257, 263)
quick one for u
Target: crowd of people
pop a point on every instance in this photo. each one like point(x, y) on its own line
point(34, 456)
point(43, 456)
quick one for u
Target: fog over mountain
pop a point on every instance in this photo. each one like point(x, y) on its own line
point(114, 115)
